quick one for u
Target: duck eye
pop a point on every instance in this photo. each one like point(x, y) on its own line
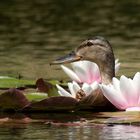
point(89, 43)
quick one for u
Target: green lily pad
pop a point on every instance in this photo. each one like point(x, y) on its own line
point(38, 96)
point(10, 82)
point(54, 82)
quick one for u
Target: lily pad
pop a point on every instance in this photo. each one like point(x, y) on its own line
point(38, 96)
point(60, 103)
point(46, 87)
point(13, 99)
point(10, 82)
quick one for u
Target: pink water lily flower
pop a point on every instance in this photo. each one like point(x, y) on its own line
point(124, 93)
point(86, 71)
point(74, 88)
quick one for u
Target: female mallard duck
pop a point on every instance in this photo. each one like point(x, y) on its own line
point(98, 50)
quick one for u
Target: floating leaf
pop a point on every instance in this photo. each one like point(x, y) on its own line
point(43, 86)
point(62, 83)
point(14, 83)
point(13, 99)
point(38, 96)
point(46, 87)
point(53, 103)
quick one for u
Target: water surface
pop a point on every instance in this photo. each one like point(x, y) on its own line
point(33, 33)
point(69, 126)
point(43, 132)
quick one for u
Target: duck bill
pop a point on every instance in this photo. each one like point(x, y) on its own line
point(72, 57)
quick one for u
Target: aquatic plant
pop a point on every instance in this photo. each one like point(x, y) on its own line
point(86, 71)
point(74, 89)
point(124, 93)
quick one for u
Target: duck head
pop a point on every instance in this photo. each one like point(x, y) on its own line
point(97, 50)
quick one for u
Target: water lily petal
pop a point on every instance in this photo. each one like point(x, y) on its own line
point(117, 65)
point(82, 68)
point(63, 91)
point(114, 97)
point(70, 73)
point(136, 81)
point(94, 85)
point(60, 93)
point(135, 98)
point(128, 91)
point(116, 83)
point(77, 64)
point(95, 73)
point(72, 90)
point(81, 74)
point(87, 89)
point(116, 61)
point(133, 109)
point(92, 72)
point(87, 71)
point(76, 87)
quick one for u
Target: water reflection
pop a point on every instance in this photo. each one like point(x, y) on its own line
point(43, 132)
point(35, 32)
point(69, 126)
point(121, 132)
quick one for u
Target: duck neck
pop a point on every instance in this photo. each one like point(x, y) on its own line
point(106, 77)
point(107, 71)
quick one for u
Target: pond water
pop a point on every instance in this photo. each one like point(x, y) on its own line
point(69, 126)
point(35, 32)
point(44, 132)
